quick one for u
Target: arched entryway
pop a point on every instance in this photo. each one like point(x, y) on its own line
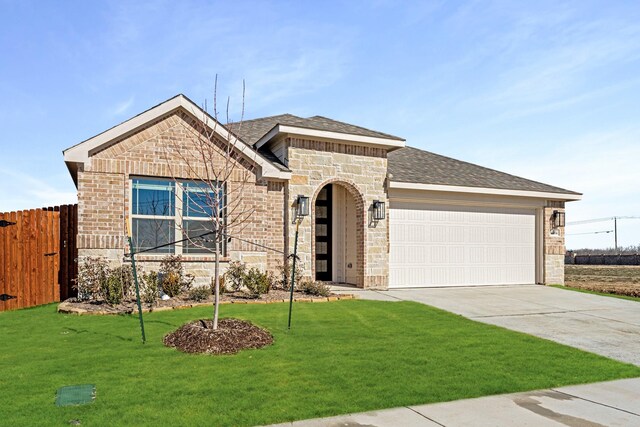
point(338, 233)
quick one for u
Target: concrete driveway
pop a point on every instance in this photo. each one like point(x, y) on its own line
point(603, 325)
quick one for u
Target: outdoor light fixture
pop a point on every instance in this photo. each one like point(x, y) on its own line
point(558, 219)
point(302, 207)
point(378, 210)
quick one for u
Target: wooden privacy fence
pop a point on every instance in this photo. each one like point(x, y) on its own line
point(38, 256)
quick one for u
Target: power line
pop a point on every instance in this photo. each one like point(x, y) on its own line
point(591, 232)
point(595, 220)
point(610, 218)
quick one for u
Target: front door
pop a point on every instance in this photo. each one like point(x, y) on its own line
point(323, 210)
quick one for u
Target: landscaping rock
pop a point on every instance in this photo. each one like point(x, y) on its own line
point(73, 306)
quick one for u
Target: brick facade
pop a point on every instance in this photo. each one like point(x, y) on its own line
point(166, 148)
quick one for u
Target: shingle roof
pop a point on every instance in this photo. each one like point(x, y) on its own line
point(410, 164)
point(252, 130)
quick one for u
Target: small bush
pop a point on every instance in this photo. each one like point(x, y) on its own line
point(257, 282)
point(172, 264)
point(235, 275)
point(171, 283)
point(112, 288)
point(199, 293)
point(125, 272)
point(312, 287)
point(172, 278)
point(283, 278)
point(149, 292)
point(92, 274)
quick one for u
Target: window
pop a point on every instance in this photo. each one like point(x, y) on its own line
point(164, 211)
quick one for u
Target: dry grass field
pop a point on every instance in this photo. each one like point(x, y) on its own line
point(613, 279)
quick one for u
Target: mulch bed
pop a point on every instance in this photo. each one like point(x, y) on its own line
point(231, 336)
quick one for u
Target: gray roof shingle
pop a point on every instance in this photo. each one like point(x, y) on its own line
point(252, 130)
point(411, 164)
point(407, 164)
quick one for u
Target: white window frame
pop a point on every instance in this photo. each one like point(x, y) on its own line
point(177, 217)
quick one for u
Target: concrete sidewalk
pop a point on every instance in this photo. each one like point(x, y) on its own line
point(612, 403)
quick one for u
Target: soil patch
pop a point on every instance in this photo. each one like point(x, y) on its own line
point(619, 280)
point(231, 336)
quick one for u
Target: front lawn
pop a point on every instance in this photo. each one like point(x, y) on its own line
point(340, 357)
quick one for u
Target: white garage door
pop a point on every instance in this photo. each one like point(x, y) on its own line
point(437, 245)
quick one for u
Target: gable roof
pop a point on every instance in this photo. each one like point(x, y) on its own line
point(414, 166)
point(81, 152)
point(408, 167)
point(252, 131)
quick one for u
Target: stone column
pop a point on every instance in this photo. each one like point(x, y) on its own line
point(554, 248)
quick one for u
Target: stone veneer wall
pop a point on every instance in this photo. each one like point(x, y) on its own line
point(165, 149)
point(554, 248)
point(362, 171)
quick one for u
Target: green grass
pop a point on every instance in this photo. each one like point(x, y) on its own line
point(341, 357)
point(604, 294)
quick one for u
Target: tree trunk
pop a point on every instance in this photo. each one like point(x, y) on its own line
point(216, 299)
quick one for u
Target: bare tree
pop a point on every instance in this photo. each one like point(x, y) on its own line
point(214, 167)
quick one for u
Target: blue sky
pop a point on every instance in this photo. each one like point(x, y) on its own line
point(548, 90)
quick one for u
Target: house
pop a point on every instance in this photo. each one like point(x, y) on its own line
point(440, 221)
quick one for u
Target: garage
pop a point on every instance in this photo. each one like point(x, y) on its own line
point(458, 245)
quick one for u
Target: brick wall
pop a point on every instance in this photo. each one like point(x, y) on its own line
point(166, 148)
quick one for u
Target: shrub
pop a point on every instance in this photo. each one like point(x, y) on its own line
point(172, 278)
point(257, 282)
point(199, 293)
point(149, 292)
point(125, 272)
point(235, 275)
point(283, 278)
point(112, 288)
point(92, 274)
point(312, 287)
point(171, 283)
point(172, 264)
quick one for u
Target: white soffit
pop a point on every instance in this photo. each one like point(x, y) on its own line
point(81, 152)
point(323, 134)
point(484, 190)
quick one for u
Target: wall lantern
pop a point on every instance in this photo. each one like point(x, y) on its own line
point(302, 207)
point(378, 210)
point(558, 219)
